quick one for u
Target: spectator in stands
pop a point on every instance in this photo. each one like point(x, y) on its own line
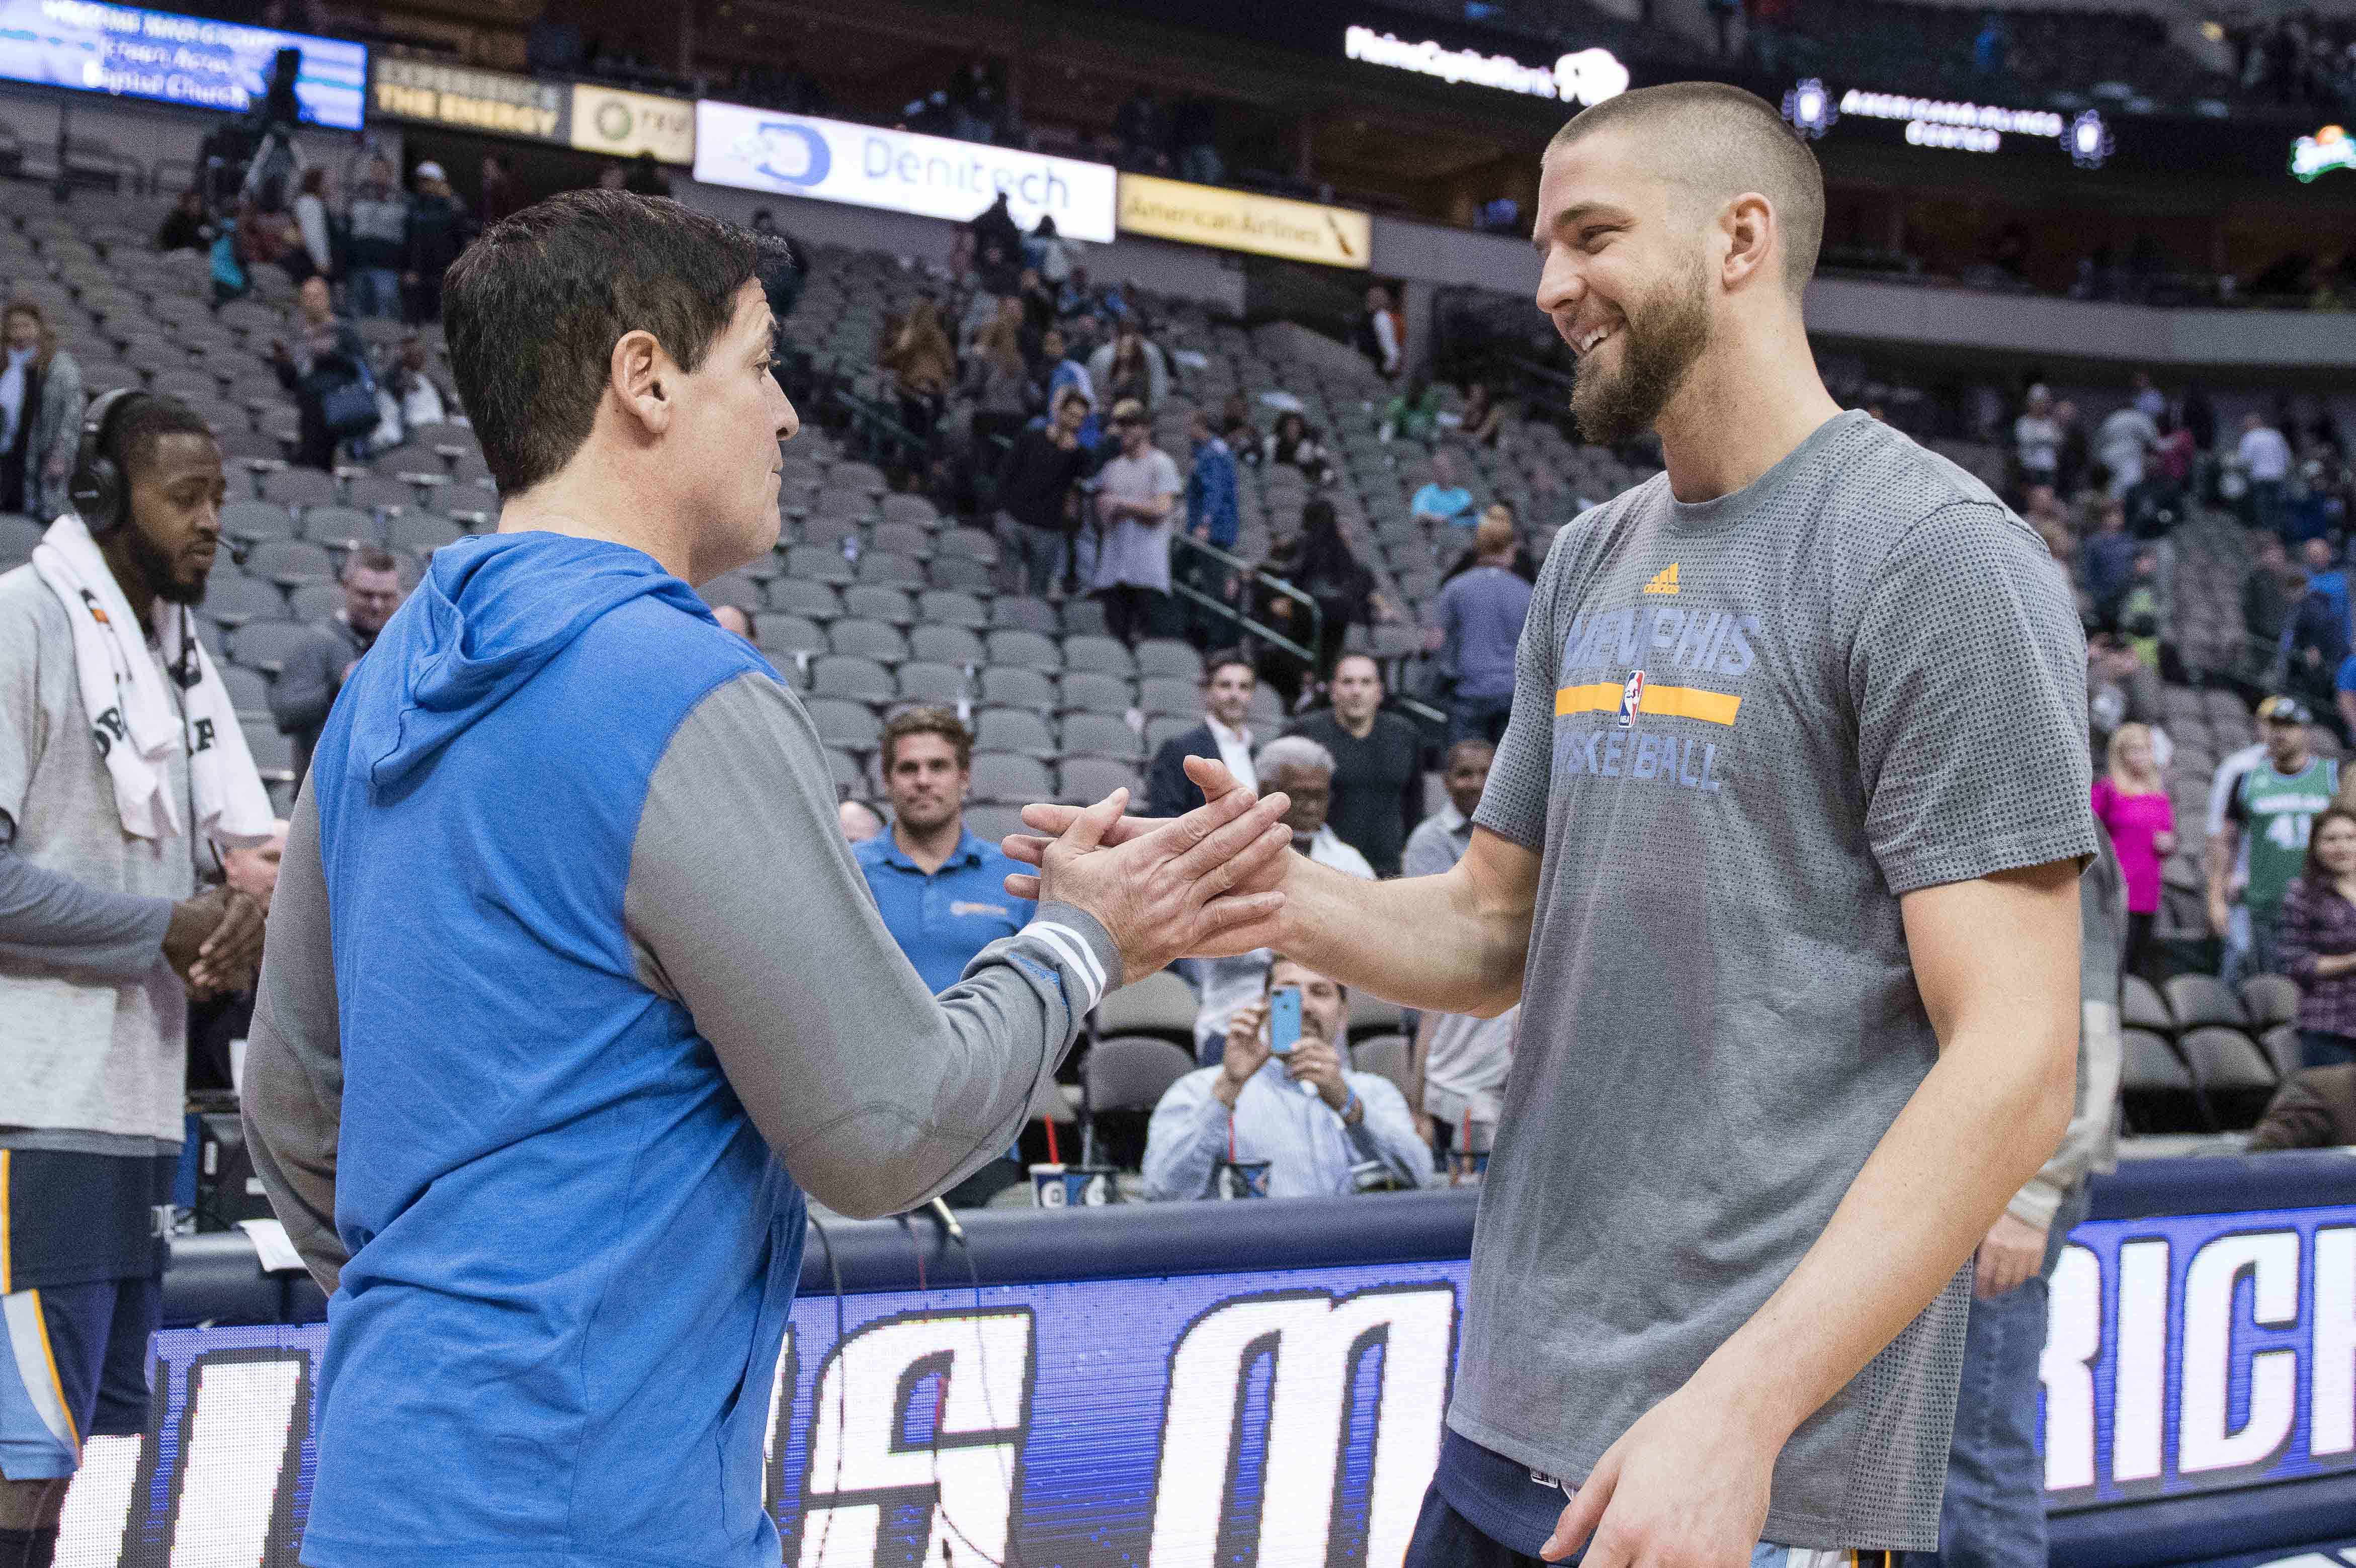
point(327, 354)
point(2120, 689)
point(314, 224)
point(1441, 500)
point(1317, 562)
point(1294, 442)
point(2042, 510)
point(1137, 502)
point(923, 367)
point(1223, 736)
point(501, 194)
point(1048, 250)
point(2172, 463)
point(1483, 420)
point(1993, 1515)
point(40, 414)
point(2318, 940)
point(859, 821)
point(2265, 459)
point(439, 228)
point(2271, 809)
point(2270, 593)
point(732, 619)
point(109, 937)
point(377, 218)
point(1143, 132)
point(1377, 785)
point(2315, 1108)
point(1211, 518)
point(2074, 457)
point(409, 381)
point(1249, 1108)
point(317, 669)
point(940, 889)
point(1060, 372)
point(188, 227)
point(1131, 366)
point(1381, 334)
point(2037, 440)
point(1481, 615)
point(1458, 1064)
point(2148, 607)
point(1414, 413)
point(2123, 445)
point(2106, 560)
point(1035, 488)
point(2143, 396)
point(2131, 800)
point(1525, 559)
point(996, 381)
point(1303, 770)
point(2317, 645)
point(2325, 575)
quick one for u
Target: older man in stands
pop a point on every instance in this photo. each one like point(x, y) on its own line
point(1441, 500)
point(1481, 614)
point(1229, 683)
point(1459, 1064)
point(1378, 764)
point(1323, 1129)
point(1303, 770)
point(315, 672)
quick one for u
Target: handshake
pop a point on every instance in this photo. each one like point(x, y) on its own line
point(214, 942)
point(1204, 885)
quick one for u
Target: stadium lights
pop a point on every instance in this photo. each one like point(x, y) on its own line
point(1582, 76)
point(1810, 109)
point(2319, 155)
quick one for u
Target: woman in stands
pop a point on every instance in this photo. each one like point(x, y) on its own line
point(997, 380)
point(2131, 800)
point(40, 414)
point(1320, 562)
point(2318, 940)
point(1483, 421)
point(1295, 443)
point(923, 367)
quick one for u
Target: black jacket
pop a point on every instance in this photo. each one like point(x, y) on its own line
point(1168, 790)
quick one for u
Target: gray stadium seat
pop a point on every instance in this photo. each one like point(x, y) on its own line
point(2235, 1076)
point(1101, 655)
point(948, 607)
point(266, 645)
point(1159, 1004)
point(946, 644)
point(784, 633)
point(1087, 693)
point(249, 691)
point(868, 639)
point(858, 680)
point(844, 768)
point(1385, 1056)
point(1163, 727)
point(18, 534)
point(991, 821)
point(2141, 1006)
point(1160, 655)
point(232, 599)
point(1132, 1072)
point(301, 488)
point(2282, 1048)
point(289, 561)
point(731, 589)
point(1024, 650)
point(2270, 999)
point(849, 725)
point(1014, 729)
point(375, 491)
point(336, 526)
point(972, 544)
point(1009, 780)
point(900, 570)
point(1084, 781)
point(2156, 1087)
point(1018, 612)
point(800, 596)
point(272, 752)
point(311, 602)
point(1168, 694)
point(876, 602)
point(1101, 735)
point(2198, 1001)
point(249, 522)
point(421, 533)
point(921, 681)
point(970, 576)
point(817, 563)
point(903, 538)
point(912, 511)
point(828, 532)
point(1007, 688)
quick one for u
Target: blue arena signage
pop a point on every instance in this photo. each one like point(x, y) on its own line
point(127, 52)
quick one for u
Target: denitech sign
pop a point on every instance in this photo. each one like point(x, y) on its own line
point(865, 166)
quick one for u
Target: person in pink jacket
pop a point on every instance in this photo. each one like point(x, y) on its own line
point(2131, 800)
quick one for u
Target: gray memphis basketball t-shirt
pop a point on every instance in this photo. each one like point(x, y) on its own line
point(1742, 730)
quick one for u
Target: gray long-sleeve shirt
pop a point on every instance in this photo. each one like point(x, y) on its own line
point(306, 686)
point(875, 1094)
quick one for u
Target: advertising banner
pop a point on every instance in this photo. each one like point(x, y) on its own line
point(468, 99)
point(1240, 220)
point(866, 166)
point(609, 120)
point(1289, 1418)
point(132, 53)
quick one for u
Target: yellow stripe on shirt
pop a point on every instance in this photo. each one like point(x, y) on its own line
point(1664, 701)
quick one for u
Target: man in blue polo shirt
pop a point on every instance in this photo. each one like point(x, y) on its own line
point(941, 890)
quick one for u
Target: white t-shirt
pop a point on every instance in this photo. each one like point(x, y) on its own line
point(82, 1056)
point(2264, 456)
point(1138, 553)
point(2122, 442)
point(2038, 441)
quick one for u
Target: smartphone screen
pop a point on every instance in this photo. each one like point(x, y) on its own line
point(1284, 1019)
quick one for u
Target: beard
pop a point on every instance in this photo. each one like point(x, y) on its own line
point(1659, 344)
point(164, 572)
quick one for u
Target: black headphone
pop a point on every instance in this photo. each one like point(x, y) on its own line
point(98, 491)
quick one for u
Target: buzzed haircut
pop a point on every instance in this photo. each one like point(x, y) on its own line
point(925, 721)
point(131, 437)
point(1718, 141)
point(533, 308)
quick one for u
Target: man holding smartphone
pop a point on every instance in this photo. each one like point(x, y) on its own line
point(1284, 1096)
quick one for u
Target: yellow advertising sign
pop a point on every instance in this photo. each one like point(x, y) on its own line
point(463, 96)
point(1238, 221)
point(609, 120)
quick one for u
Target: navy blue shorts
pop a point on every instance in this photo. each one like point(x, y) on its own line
point(75, 1368)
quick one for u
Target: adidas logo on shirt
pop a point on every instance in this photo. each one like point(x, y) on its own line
point(1664, 580)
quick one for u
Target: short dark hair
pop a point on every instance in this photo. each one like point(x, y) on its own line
point(131, 438)
point(2317, 877)
point(925, 721)
point(533, 308)
point(373, 557)
point(1221, 659)
point(1470, 744)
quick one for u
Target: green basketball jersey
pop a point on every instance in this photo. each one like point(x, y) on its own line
point(2276, 811)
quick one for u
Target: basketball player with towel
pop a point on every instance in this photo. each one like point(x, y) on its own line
point(572, 987)
point(1779, 855)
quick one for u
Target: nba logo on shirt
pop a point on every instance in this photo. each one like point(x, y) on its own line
point(1628, 696)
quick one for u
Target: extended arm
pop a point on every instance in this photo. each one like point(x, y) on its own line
point(53, 923)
